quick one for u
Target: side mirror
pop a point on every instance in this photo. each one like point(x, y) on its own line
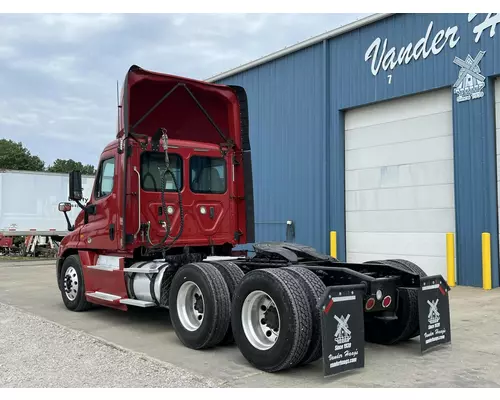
point(75, 186)
point(64, 207)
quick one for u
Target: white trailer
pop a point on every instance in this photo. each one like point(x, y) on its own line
point(28, 206)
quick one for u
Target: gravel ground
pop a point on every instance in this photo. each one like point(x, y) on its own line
point(35, 352)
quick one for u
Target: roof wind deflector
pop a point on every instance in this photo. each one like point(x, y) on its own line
point(227, 142)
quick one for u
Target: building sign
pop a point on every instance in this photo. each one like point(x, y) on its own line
point(491, 21)
point(390, 59)
point(470, 82)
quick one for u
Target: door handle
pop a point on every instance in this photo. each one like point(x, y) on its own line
point(112, 232)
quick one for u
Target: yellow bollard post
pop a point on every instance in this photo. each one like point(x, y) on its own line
point(333, 244)
point(486, 242)
point(450, 259)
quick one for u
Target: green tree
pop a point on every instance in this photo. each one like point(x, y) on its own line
point(17, 157)
point(65, 166)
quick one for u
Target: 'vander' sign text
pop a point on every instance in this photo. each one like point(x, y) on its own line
point(431, 43)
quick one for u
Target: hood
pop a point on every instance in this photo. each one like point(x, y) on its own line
point(188, 109)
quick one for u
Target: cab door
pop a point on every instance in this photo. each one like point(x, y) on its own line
point(211, 189)
point(101, 225)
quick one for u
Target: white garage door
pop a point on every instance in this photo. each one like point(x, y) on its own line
point(497, 123)
point(399, 180)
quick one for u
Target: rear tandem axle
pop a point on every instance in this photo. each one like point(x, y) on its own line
point(284, 307)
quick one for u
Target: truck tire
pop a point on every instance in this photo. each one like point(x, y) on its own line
point(72, 285)
point(232, 275)
point(399, 330)
point(271, 319)
point(199, 305)
point(314, 288)
point(414, 268)
point(409, 266)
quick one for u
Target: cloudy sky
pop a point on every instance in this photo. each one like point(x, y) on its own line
point(58, 72)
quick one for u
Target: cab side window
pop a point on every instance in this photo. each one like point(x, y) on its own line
point(106, 178)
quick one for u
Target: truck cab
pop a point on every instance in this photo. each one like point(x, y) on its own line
point(176, 178)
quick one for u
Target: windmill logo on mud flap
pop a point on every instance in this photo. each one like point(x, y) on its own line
point(343, 334)
point(433, 317)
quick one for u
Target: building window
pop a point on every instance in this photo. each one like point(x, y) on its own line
point(151, 163)
point(207, 175)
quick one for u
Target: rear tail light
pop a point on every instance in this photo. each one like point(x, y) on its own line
point(387, 301)
point(370, 303)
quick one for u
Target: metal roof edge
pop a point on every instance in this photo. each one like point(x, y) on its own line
point(301, 45)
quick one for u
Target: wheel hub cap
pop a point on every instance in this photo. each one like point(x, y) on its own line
point(271, 318)
point(260, 319)
point(71, 283)
point(190, 306)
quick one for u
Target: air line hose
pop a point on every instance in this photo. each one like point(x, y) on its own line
point(163, 171)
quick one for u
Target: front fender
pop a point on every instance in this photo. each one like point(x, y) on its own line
point(67, 247)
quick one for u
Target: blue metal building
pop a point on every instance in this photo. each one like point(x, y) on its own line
point(385, 131)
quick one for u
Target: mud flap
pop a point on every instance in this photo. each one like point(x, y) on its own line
point(342, 328)
point(434, 312)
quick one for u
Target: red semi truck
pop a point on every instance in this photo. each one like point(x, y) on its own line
point(172, 198)
point(6, 244)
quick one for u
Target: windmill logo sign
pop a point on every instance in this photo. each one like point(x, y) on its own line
point(470, 82)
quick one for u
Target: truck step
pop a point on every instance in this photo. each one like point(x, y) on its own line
point(138, 303)
point(103, 296)
point(107, 263)
point(103, 267)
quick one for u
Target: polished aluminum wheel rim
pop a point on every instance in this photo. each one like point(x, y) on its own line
point(71, 283)
point(260, 319)
point(190, 306)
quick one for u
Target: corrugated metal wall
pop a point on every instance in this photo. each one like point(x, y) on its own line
point(297, 105)
point(288, 148)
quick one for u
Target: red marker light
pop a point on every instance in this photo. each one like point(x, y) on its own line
point(370, 303)
point(387, 301)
